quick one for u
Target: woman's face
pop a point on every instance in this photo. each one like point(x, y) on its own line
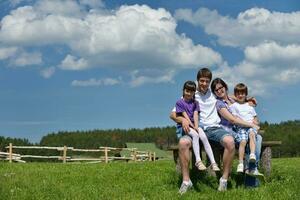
point(220, 91)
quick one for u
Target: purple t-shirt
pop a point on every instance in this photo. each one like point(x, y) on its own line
point(223, 104)
point(187, 106)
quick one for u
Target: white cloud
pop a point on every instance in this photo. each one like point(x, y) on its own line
point(70, 63)
point(129, 38)
point(270, 41)
point(27, 58)
point(266, 66)
point(273, 53)
point(47, 72)
point(28, 26)
point(137, 80)
point(96, 82)
point(251, 27)
point(6, 52)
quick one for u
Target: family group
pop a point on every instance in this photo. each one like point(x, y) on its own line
point(207, 112)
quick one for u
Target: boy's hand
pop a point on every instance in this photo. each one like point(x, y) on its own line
point(256, 127)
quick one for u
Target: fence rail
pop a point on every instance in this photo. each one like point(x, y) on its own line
point(134, 154)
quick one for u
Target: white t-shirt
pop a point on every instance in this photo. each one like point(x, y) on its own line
point(243, 111)
point(208, 112)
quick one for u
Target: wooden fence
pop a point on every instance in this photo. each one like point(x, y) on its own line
point(134, 154)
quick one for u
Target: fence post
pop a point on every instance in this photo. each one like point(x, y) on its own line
point(134, 155)
point(154, 156)
point(10, 152)
point(150, 155)
point(106, 154)
point(65, 154)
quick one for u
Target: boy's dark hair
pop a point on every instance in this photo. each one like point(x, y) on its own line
point(241, 87)
point(204, 72)
point(217, 81)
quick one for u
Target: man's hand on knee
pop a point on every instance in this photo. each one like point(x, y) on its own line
point(185, 125)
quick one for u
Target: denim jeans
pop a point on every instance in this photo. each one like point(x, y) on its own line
point(258, 142)
point(252, 181)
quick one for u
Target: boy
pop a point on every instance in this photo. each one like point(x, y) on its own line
point(243, 110)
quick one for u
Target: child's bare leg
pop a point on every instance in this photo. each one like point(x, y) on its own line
point(242, 147)
point(240, 167)
point(252, 142)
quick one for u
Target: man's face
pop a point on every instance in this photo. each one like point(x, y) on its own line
point(203, 84)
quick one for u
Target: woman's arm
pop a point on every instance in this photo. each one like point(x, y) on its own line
point(235, 120)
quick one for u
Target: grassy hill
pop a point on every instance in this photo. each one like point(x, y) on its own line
point(145, 180)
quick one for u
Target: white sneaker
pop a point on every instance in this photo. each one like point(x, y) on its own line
point(222, 185)
point(215, 167)
point(240, 168)
point(200, 165)
point(185, 187)
point(252, 158)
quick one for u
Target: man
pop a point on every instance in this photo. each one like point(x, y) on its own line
point(209, 122)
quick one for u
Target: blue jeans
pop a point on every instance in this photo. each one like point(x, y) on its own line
point(216, 134)
point(258, 143)
point(252, 181)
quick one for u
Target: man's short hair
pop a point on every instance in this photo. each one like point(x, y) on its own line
point(204, 72)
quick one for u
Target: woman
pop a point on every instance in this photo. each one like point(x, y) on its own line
point(220, 90)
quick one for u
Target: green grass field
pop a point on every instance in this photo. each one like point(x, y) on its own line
point(143, 180)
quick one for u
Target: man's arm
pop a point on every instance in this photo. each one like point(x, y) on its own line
point(181, 120)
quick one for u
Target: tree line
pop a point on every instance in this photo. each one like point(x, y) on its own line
point(288, 132)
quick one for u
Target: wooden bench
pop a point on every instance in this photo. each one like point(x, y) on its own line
point(266, 154)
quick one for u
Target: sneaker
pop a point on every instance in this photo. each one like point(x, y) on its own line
point(252, 158)
point(240, 168)
point(185, 187)
point(200, 165)
point(255, 173)
point(215, 167)
point(222, 185)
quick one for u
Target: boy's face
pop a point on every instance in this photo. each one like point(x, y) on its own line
point(240, 97)
point(203, 84)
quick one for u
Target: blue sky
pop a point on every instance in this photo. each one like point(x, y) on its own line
point(89, 64)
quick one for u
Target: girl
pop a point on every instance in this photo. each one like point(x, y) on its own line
point(188, 108)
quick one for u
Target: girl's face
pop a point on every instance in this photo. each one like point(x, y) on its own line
point(240, 97)
point(220, 91)
point(188, 94)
